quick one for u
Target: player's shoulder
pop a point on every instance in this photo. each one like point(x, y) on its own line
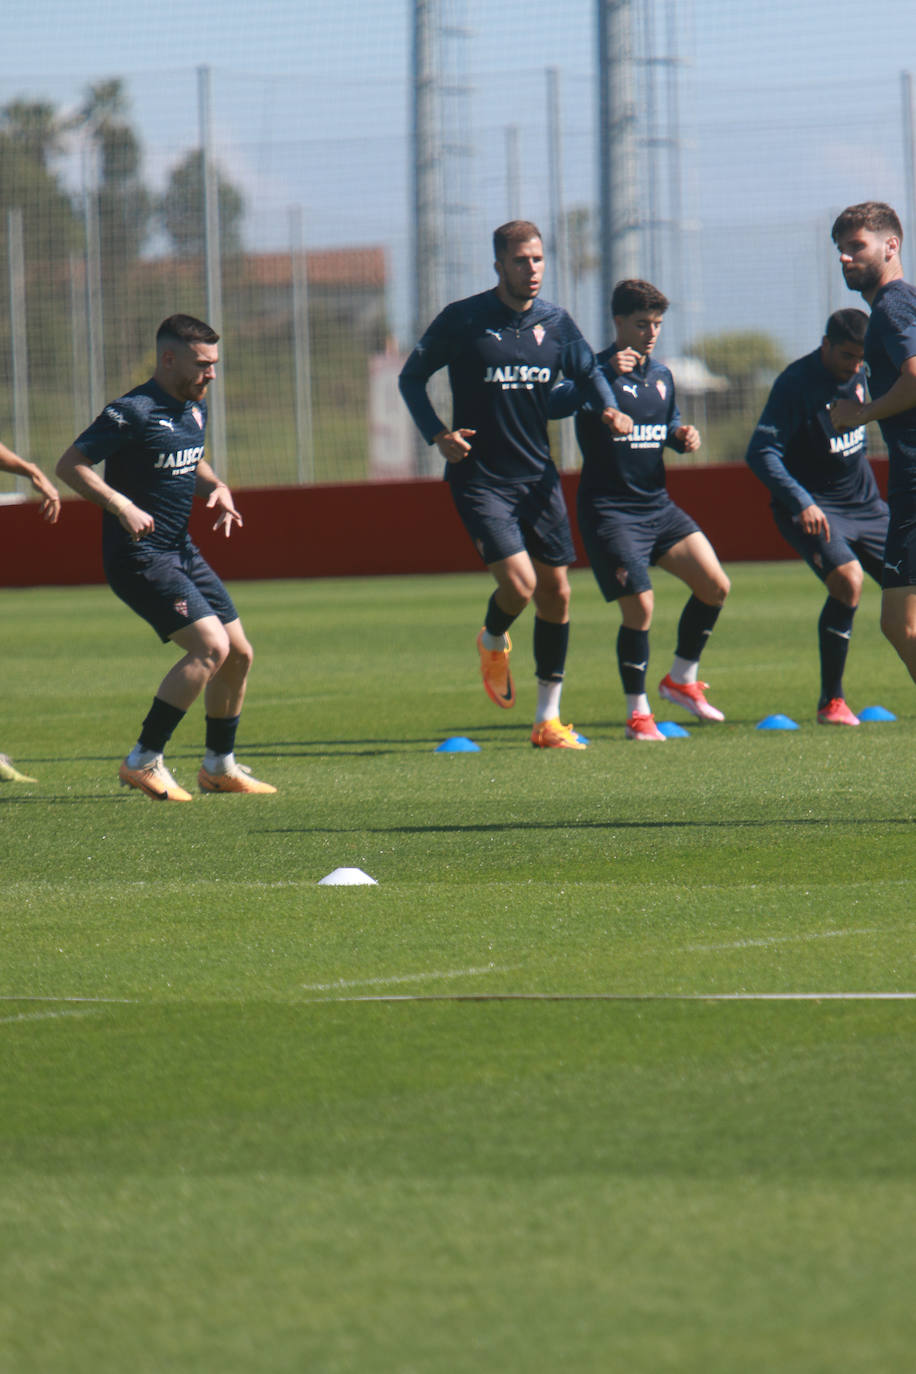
point(894, 304)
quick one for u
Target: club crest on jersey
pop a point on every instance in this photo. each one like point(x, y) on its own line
point(661, 388)
point(198, 416)
point(181, 607)
point(539, 331)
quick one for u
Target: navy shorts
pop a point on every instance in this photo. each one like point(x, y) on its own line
point(856, 533)
point(622, 546)
point(506, 520)
point(169, 588)
point(900, 551)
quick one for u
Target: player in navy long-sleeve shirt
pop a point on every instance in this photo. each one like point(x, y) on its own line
point(869, 237)
point(629, 522)
point(825, 500)
point(152, 444)
point(504, 350)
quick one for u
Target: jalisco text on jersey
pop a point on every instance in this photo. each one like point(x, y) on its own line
point(517, 375)
point(842, 443)
point(183, 459)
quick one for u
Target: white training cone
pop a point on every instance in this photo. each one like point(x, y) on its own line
point(346, 877)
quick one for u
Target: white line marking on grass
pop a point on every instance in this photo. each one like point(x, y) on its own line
point(782, 940)
point(46, 1015)
point(404, 978)
point(630, 997)
point(95, 1001)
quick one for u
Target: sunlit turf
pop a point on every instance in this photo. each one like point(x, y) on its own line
point(216, 1157)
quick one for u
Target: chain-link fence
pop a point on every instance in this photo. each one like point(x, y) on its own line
point(104, 203)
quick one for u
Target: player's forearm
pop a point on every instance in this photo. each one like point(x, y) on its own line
point(413, 389)
point(767, 465)
point(206, 480)
point(900, 397)
point(73, 469)
point(11, 462)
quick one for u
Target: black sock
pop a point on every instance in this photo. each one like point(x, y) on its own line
point(833, 631)
point(633, 659)
point(220, 738)
point(550, 645)
point(694, 628)
point(159, 724)
point(497, 620)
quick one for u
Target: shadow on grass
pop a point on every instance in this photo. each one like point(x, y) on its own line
point(731, 824)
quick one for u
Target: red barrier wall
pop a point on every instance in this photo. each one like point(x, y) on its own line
point(353, 530)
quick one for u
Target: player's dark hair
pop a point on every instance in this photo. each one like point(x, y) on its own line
point(846, 326)
point(633, 295)
point(514, 231)
point(873, 215)
point(184, 329)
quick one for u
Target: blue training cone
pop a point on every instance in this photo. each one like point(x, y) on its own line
point(876, 714)
point(671, 730)
point(457, 744)
point(777, 722)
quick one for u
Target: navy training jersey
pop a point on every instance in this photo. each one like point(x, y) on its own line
point(501, 365)
point(151, 445)
point(796, 452)
point(889, 340)
point(628, 467)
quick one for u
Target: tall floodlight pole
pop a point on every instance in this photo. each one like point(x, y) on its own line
point(302, 349)
point(909, 170)
point(513, 174)
point(619, 230)
point(216, 404)
point(428, 236)
point(559, 255)
point(18, 333)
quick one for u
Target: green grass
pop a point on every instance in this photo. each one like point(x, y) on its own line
point(223, 1160)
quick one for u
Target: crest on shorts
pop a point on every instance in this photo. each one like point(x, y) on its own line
point(539, 331)
point(198, 416)
point(661, 388)
point(181, 607)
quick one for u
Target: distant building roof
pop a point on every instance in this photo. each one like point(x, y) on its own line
point(693, 378)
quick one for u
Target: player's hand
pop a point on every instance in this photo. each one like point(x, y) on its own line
point(136, 521)
point(845, 414)
point(812, 520)
point(688, 438)
point(616, 421)
point(453, 444)
point(625, 359)
point(50, 506)
point(221, 498)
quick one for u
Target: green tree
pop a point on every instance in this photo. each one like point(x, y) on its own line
point(31, 136)
point(125, 205)
point(181, 209)
point(750, 359)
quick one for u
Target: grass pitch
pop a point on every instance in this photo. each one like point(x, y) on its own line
point(216, 1155)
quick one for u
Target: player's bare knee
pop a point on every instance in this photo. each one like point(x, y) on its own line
point(845, 584)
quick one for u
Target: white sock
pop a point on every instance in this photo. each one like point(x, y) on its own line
point(638, 704)
point(142, 758)
point(493, 642)
point(548, 704)
point(218, 763)
point(684, 670)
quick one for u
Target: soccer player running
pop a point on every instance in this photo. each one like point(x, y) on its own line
point(825, 500)
point(869, 237)
point(152, 443)
point(49, 510)
point(629, 522)
point(504, 350)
